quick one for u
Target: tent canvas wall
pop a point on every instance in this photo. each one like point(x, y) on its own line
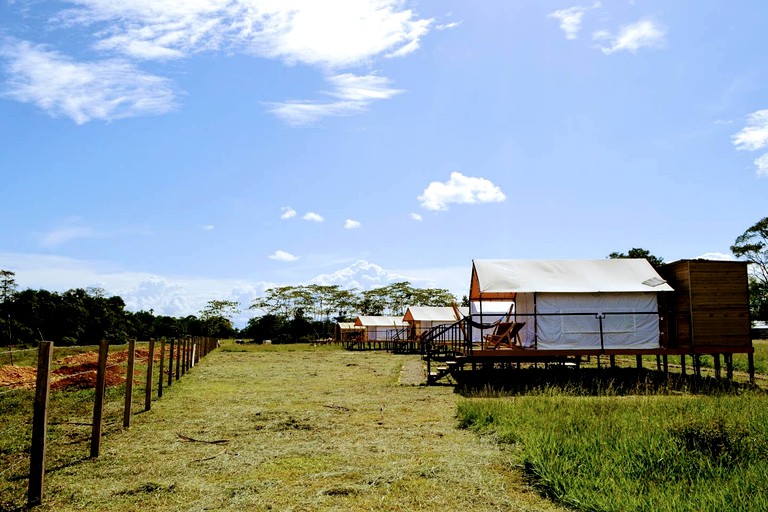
point(576, 304)
point(489, 312)
point(381, 328)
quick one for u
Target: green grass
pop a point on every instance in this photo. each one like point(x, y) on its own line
point(624, 453)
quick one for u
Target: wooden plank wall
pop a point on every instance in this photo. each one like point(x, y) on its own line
point(711, 301)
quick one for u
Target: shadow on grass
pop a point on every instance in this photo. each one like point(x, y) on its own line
point(590, 382)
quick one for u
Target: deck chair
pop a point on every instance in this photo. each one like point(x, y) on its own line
point(506, 334)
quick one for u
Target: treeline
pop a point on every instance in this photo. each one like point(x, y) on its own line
point(86, 316)
point(286, 314)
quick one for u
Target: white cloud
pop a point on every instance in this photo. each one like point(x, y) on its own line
point(208, 227)
point(66, 231)
point(83, 91)
point(761, 164)
point(329, 34)
point(313, 217)
point(448, 26)
point(716, 256)
point(283, 256)
point(353, 94)
point(754, 136)
point(570, 20)
point(459, 189)
point(362, 275)
point(632, 37)
point(351, 224)
point(416, 217)
point(288, 212)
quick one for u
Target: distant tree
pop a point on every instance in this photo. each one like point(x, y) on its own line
point(267, 327)
point(464, 301)
point(217, 315)
point(638, 253)
point(7, 291)
point(7, 285)
point(432, 297)
point(372, 302)
point(752, 245)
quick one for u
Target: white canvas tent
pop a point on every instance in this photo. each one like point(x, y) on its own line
point(575, 304)
point(424, 318)
point(380, 328)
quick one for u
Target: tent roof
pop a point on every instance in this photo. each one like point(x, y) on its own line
point(380, 321)
point(348, 326)
point(430, 314)
point(502, 279)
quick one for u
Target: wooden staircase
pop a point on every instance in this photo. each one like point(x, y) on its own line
point(444, 348)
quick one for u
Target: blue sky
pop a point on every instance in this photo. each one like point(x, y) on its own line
point(181, 151)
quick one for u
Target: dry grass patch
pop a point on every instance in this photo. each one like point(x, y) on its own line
point(297, 428)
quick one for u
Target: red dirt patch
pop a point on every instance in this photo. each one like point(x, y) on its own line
point(18, 377)
point(76, 371)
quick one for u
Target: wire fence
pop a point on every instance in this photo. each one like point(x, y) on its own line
point(72, 399)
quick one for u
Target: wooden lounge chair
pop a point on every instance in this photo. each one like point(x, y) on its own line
point(506, 334)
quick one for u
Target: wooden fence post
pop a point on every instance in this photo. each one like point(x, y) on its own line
point(184, 356)
point(129, 383)
point(150, 367)
point(40, 424)
point(170, 363)
point(179, 346)
point(162, 368)
point(98, 402)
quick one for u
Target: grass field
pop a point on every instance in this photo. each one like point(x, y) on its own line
point(280, 428)
point(679, 452)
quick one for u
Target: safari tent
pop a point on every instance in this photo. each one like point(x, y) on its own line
point(424, 318)
point(381, 328)
point(345, 331)
point(574, 304)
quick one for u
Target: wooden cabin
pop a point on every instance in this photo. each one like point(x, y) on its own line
point(709, 311)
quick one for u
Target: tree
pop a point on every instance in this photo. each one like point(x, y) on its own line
point(7, 285)
point(7, 291)
point(752, 245)
point(216, 317)
point(638, 253)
